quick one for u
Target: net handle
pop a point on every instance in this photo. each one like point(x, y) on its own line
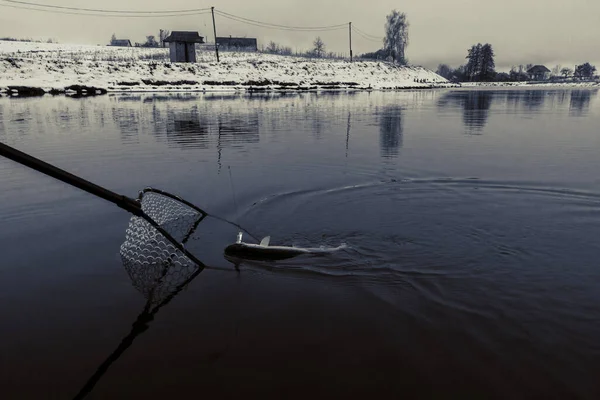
point(124, 202)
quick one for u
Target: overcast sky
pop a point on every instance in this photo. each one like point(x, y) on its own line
point(546, 32)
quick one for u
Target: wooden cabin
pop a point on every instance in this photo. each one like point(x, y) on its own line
point(182, 45)
point(120, 43)
point(538, 73)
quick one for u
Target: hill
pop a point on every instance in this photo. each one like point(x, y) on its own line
point(58, 66)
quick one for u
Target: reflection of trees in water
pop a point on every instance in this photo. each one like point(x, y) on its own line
point(476, 109)
point(580, 101)
point(391, 126)
point(552, 99)
point(475, 105)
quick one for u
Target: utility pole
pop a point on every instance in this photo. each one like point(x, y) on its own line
point(212, 10)
point(350, 34)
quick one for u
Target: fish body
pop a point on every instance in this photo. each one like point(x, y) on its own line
point(263, 251)
point(259, 252)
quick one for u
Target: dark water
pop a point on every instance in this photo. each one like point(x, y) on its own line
point(471, 220)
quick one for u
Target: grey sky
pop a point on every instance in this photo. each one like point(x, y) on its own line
point(520, 31)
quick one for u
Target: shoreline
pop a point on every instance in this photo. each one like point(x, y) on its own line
point(21, 91)
point(37, 69)
point(78, 90)
point(17, 91)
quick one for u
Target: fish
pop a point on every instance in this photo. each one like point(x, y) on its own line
point(263, 251)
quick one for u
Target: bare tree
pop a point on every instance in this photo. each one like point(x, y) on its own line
point(566, 72)
point(164, 33)
point(396, 36)
point(272, 47)
point(556, 70)
point(318, 47)
point(113, 39)
point(150, 41)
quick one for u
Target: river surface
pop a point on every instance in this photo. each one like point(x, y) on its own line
point(471, 266)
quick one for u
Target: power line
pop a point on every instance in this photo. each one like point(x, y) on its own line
point(364, 34)
point(25, 5)
point(367, 38)
point(194, 10)
point(102, 15)
point(277, 26)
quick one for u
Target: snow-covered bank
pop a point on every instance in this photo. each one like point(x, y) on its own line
point(56, 67)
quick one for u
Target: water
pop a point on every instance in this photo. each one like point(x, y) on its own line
point(471, 220)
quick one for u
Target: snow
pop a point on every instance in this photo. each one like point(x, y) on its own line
point(121, 69)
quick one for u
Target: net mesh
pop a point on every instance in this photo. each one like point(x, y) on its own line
point(155, 265)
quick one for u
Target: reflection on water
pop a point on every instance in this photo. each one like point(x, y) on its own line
point(580, 102)
point(186, 128)
point(533, 99)
point(222, 121)
point(390, 131)
point(480, 252)
point(476, 104)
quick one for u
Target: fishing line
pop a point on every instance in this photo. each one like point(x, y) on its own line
point(237, 210)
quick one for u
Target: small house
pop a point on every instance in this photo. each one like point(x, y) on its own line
point(538, 73)
point(182, 45)
point(237, 43)
point(121, 43)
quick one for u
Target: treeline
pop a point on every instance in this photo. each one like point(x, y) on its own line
point(11, 39)
point(151, 40)
point(480, 67)
point(380, 55)
point(519, 74)
point(317, 51)
point(394, 43)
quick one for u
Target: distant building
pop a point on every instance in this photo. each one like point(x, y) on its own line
point(182, 45)
point(538, 73)
point(236, 43)
point(121, 43)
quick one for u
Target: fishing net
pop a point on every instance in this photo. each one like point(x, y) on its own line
point(156, 260)
point(153, 252)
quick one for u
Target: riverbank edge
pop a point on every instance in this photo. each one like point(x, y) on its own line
point(245, 87)
point(20, 91)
